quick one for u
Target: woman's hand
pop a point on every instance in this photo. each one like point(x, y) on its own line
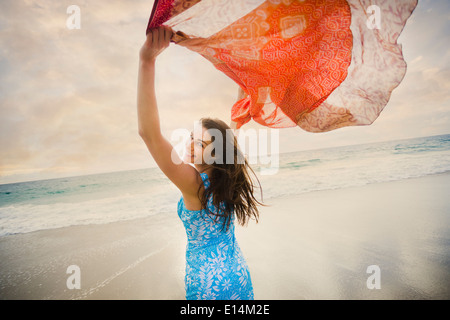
point(158, 40)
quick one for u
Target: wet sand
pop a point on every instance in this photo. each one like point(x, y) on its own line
point(317, 245)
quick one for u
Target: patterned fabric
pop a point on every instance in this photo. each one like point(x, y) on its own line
point(319, 65)
point(215, 266)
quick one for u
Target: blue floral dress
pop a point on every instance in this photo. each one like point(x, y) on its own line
point(215, 266)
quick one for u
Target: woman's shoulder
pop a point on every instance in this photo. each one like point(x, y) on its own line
point(191, 202)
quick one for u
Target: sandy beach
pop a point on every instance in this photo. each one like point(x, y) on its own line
point(317, 245)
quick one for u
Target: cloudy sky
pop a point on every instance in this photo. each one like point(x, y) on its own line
point(68, 97)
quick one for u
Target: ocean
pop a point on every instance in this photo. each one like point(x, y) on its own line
point(109, 197)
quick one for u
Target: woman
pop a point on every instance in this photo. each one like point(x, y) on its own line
point(215, 185)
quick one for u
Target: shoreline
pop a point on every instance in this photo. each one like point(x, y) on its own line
point(316, 245)
point(275, 198)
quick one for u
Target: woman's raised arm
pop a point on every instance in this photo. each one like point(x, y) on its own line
point(157, 41)
point(183, 175)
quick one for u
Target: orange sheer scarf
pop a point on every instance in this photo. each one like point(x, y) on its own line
point(316, 64)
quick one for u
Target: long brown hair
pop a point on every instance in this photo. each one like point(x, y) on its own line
point(231, 186)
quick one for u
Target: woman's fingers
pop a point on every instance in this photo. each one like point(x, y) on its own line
point(150, 37)
point(160, 36)
point(167, 34)
point(157, 40)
